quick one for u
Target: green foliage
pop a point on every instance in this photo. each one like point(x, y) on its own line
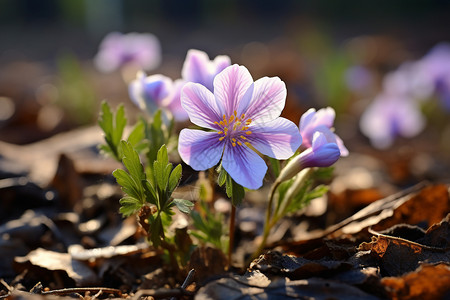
point(208, 227)
point(140, 192)
point(113, 126)
point(234, 191)
point(76, 94)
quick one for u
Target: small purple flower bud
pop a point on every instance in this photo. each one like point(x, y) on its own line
point(322, 153)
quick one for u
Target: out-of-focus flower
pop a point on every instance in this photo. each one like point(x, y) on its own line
point(436, 67)
point(322, 120)
point(141, 50)
point(359, 79)
point(242, 115)
point(199, 69)
point(389, 116)
point(157, 91)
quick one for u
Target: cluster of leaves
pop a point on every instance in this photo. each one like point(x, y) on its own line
point(148, 190)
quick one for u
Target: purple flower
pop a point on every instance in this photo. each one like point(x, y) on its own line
point(117, 50)
point(322, 120)
point(157, 92)
point(199, 69)
point(242, 116)
point(323, 152)
point(389, 116)
point(436, 67)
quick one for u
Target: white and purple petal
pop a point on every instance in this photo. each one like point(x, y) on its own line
point(230, 87)
point(244, 165)
point(279, 138)
point(201, 106)
point(200, 149)
point(267, 101)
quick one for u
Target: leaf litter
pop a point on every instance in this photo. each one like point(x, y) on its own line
point(397, 247)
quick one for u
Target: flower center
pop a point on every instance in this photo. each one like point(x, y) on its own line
point(234, 129)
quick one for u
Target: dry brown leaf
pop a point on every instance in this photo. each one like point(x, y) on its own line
point(397, 256)
point(428, 282)
point(55, 261)
point(255, 285)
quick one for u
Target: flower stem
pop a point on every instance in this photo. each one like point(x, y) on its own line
point(231, 242)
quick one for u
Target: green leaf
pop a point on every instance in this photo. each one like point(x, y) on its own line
point(174, 178)
point(156, 232)
point(129, 206)
point(163, 157)
point(221, 179)
point(323, 174)
point(137, 134)
point(120, 123)
point(113, 126)
point(129, 186)
point(132, 161)
point(234, 191)
point(276, 166)
point(183, 205)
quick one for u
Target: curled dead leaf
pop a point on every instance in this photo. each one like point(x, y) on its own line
point(427, 282)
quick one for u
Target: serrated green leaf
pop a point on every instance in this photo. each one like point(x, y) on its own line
point(174, 178)
point(183, 205)
point(113, 126)
point(129, 206)
point(132, 162)
point(119, 126)
point(158, 173)
point(105, 119)
point(150, 193)
point(137, 134)
point(162, 156)
point(128, 184)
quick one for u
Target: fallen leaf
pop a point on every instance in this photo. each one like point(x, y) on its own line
point(255, 285)
point(79, 272)
point(427, 282)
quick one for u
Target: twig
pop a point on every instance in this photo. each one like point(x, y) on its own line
point(162, 293)
point(83, 290)
point(187, 281)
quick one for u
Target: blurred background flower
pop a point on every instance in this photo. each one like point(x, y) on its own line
point(140, 50)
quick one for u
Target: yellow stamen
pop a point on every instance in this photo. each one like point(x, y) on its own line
point(243, 137)
point(221, 123)
point(225, 129)
point(234, 144)
point(248, 132)
point(244, 128)
point(220, 132)
point(248, 121)
point(233, 139)
point(235, 113)
point(231, 119)
point(225, 120)
point(216, 123)
point(243, 116)
point(221, 138)
point(239, 143)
